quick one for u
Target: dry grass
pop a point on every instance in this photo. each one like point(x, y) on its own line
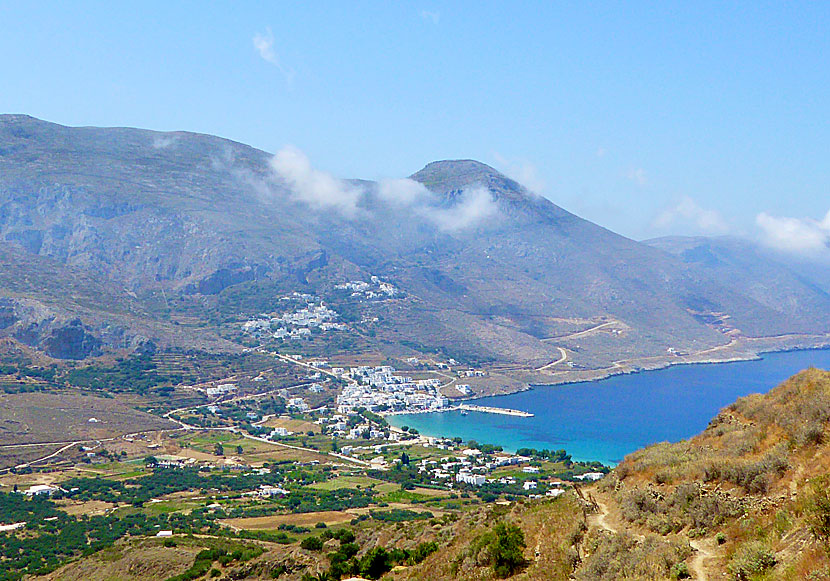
point(749, 444)
point(58, 417)
point(622, 556)
point(89, 508)
point(296, 426)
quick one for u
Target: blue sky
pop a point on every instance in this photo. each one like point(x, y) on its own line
point(649, 119)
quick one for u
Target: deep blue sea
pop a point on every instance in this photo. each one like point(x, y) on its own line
point(605, 420)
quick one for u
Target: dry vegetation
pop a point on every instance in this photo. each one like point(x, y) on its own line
point(61, 417)
point(552, 532)
point(754, 482)
point(623, 556)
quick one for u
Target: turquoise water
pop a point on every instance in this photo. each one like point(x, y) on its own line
point(607, 419)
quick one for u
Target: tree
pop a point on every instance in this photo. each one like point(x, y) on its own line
point(375, 563)
point(405, 459)
point(506, 549)
point(239, 449)
point(219, 449)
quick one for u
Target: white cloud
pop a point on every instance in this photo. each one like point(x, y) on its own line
point(474, 206)
point(322, 191)
point(800, 235)
point(688, 214)
point(522, 171)
point(316, 188)
point(403, 192)
point(637, 175)
point(264, 45)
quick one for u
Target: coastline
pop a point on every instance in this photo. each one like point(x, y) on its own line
point(610, 419)
point(744, 349)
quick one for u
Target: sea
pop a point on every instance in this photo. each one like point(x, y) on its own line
point(606, 419)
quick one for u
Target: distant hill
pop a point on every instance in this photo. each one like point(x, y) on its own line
point(780, 282)
point(177, 238)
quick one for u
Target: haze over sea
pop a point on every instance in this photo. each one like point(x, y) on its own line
point(607, 419)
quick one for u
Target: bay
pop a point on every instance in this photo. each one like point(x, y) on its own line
point(605, 420)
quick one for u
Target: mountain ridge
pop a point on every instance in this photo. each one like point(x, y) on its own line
point(488, 270)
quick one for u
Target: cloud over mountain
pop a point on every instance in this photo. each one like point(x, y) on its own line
point(687, 213)
point(799, 235)
point(323, 191)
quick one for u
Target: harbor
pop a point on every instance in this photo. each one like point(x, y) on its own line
point(493, 410)
point(464, 408)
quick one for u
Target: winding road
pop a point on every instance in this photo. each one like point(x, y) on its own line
point(562, 359)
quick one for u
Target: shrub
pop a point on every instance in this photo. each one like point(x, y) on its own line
point(312, 544)
point(505, 549)
point(680, 571)
point(750, 560)
point(818, 509)
point(422, 551)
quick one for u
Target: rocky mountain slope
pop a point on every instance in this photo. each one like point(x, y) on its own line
point(164, 230)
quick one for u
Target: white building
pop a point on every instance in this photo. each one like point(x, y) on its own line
point(221, 389)
point(590, 476)
point(473, 479)
point(43, 489)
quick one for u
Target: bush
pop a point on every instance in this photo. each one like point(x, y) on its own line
point(688, 505)
point(506, 549)
point(818, 509)
point(312, 544)
point(421, 552)
point(680, 571)
point(751, 560)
